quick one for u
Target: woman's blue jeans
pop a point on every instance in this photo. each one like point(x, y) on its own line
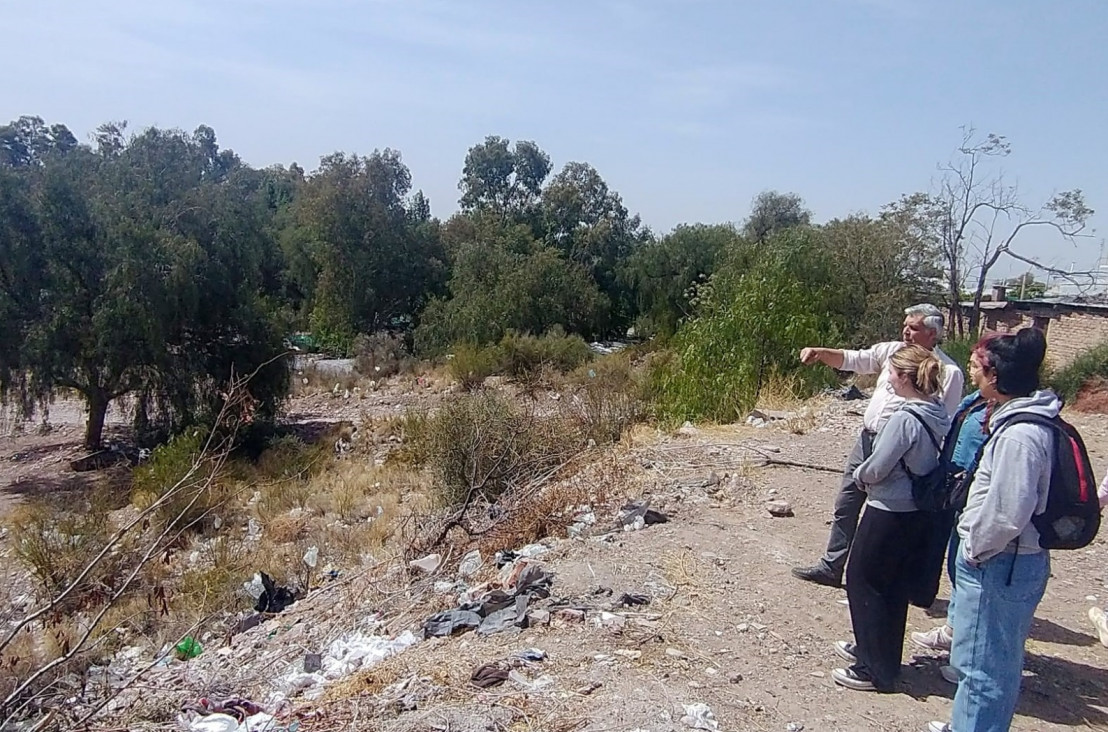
point(991, 623)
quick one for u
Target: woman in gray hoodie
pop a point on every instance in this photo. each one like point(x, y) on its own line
point(1001, 569)
point(893, 533)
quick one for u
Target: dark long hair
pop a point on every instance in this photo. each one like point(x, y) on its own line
point(1015, 358)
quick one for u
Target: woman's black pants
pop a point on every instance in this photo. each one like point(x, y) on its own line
point(885, 563)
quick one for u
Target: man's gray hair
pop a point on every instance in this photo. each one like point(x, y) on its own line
point(933, 318)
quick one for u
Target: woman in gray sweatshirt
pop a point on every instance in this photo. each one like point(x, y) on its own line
point(892, 535)
point(1001, 569)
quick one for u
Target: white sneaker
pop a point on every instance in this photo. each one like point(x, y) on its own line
point(949, 674)
point(936, 639)
point(1100, 622)
point(938, 727)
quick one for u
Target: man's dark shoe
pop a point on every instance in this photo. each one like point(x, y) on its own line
point(817, 574)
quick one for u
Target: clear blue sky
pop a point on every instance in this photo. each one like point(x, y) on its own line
point(688, 108)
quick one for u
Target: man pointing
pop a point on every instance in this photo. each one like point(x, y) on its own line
point(923, 326)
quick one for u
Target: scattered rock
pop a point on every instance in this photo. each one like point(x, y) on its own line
point(779, 508)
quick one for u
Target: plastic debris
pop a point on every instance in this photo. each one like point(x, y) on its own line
point(311, 557)
point(214, 723)
point(344, 656)
point(470, 564)
point(427, 564)
point(629, 600)
point(273, 599)
point(312, 662)
point(188, 649)
point(530, 654)
point(254, 587)
point(450, 622)
point(635, 516)
point(699, 716)
point(488, 676)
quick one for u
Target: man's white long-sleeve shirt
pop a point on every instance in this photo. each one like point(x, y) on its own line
point(875, 360)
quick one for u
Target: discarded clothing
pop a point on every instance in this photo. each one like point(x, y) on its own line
point(450, 622)
point(509, 617)
point(488, 676)
point(273, 599)
point(634, 514)
point(629, 600)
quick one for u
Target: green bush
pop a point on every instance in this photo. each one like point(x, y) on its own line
point(1089, 365)
point(470, 365)
point(959, 350)
point(524, 356)
point(180, 470)
point(759, 309)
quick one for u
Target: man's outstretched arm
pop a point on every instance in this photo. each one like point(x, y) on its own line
point(832, 357)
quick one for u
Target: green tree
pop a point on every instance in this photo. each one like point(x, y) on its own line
point(663, 274)
point(588, 222)
point(1025, 286)
point(504, 280)
point(144, 280)
point(366, 254)
point(772, 212)
point(503, 178)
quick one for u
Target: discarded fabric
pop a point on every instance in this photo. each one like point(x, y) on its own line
point(470, 564)
point(488, 676)
point(273, 599)
point(635, 516)
point(629, 600)
point(427, 564)
point(513, 616)
point(450, 622)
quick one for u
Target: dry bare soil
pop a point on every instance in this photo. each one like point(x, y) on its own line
point(726, 625)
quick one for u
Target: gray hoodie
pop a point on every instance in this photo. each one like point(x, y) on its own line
point(886, 484)
point(1011, 482)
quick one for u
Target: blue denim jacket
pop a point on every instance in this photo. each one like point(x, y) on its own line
point(972, 434)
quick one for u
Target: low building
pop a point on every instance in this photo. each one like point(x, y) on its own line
point(1071, 324)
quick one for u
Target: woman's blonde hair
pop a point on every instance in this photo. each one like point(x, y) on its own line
point(921, 367)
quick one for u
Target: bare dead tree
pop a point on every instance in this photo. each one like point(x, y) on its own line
point(974, 217)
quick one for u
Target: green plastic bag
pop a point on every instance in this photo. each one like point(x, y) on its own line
point(188, 649)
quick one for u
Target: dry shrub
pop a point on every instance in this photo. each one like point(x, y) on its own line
point(382, 354)
point(470, 365)
point(55, 547)
point(611, 398)
point(481, 444)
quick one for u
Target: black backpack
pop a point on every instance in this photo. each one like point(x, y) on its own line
point(1072, 515)
point(931, 491)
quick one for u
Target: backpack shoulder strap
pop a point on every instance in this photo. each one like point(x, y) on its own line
point(926, 428)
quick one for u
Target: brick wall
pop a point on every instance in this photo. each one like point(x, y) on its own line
point(1067, 334)
point(1073, 333)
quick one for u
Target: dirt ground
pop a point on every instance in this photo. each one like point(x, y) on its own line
point(726, 624)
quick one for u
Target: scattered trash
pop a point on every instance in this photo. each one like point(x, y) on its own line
point(539, 684)
point(344, 656)
point(851, 394)
point(628, 654)
point(470, 564)
point(570, 614)
point(214, 723)
point(450, 622)
point(699, 716)
point(530, 654)
point(687, 430)
point(254, 587)
point(779, 508)
point(273, 599)
point(635, 516)
point(311, 557)
point(237, 707)
point(312, 662)
point(532, 550)
point(488, 676)
point(514, 616)
point(188, 649)
point(629, 600)
point(588, 688)
point(427, 564)
point(796, 726)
